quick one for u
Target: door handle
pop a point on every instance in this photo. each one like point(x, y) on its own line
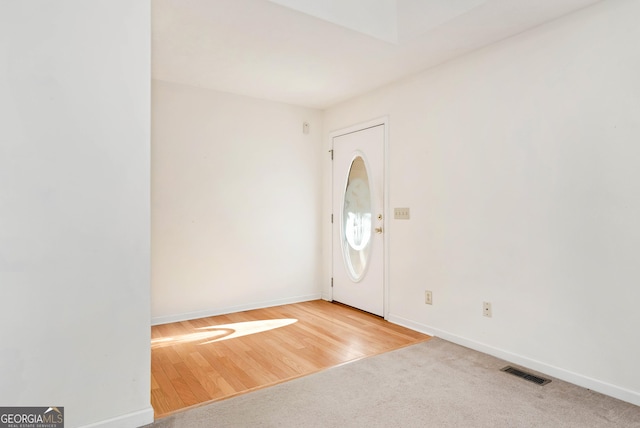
point(378, 230)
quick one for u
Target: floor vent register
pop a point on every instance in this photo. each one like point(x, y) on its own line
point(526, 376)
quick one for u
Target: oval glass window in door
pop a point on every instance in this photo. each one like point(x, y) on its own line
point(356, 220)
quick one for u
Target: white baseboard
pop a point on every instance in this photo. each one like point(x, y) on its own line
point(130, 420)
point(605, 388)
point(231, 309)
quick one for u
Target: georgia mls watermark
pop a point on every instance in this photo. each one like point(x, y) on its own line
point(31, 417)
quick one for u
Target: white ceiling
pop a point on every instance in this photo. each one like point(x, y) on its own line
point(267, 50)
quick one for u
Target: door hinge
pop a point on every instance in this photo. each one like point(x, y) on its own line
point(331, 151)
point(331, 218)
point(331, 282)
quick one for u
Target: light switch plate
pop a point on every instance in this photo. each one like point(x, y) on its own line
point(401, 213)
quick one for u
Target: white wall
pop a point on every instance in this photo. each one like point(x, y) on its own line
point(521, 166)
point(236, 203)
point(74, 209)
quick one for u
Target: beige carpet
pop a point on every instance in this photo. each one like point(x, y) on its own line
point(432, 384)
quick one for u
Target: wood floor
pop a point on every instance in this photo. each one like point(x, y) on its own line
point(198, 361)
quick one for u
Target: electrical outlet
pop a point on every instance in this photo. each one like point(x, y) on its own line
point(428, 297)
point(486, 309)
point(401, 213)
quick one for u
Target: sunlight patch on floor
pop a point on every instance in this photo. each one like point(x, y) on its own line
point(216, 333)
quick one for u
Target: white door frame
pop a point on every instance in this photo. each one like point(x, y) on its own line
point(384, 120)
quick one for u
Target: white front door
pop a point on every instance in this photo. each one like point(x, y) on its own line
point(358, 219)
